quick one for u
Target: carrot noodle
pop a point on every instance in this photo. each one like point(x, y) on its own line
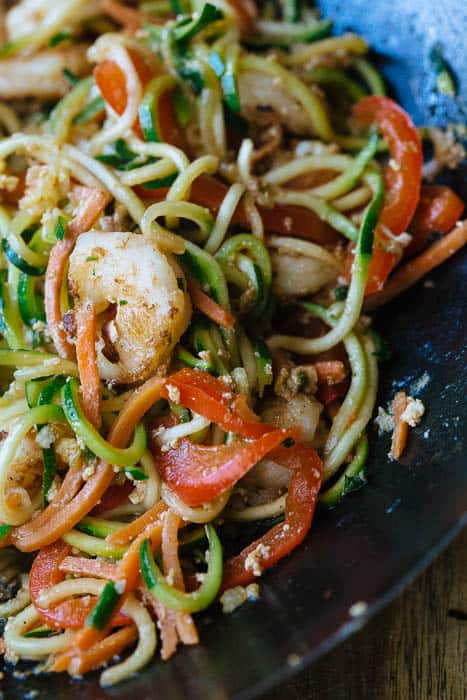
point(58, 261)
point(143, 398)
point(209, 307)
point(89, 567)
point(401, 428)
point(166, 621)
point(86, 358)
point(92, 203)
point(126, 534)
point(105, 650)
point(412, 271)
point(32, 535)
point(192, 234)
point(184, 622)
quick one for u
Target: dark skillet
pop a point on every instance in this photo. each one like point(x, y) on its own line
point(379, 538)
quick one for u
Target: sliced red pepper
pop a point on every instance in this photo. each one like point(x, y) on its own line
point(114, 497)
point(438, 211)
point(402, 177)
point(300, 504)
point(111, 82)
point(288, 220)
point(69, 614)
point(212, 398)
point(327, 393)
point(199, 473)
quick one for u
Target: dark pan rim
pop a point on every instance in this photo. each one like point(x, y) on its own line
point(345, 631)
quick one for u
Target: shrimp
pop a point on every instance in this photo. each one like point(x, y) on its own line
point(260, 93)
point(140, 299)
point(302, 412)
point(298, 276)
point(24, 475)
point(28, 16)
point(41, 75)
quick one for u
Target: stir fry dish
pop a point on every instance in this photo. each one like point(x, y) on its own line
point(200, 204)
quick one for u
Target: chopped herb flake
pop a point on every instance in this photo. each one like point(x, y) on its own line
point(70, 76)
point(58, 38)
point(353, 483)
point(136, 474)
point(60, 228)
point(340, 293)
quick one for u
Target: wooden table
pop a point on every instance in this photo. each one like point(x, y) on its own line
point(416, 649)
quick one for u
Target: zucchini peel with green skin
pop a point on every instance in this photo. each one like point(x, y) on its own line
point(105, 607)
point(19, 262)
point(169, 596)
point(352, 478)
point(92, 439)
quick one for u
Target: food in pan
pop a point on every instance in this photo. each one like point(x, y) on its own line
point(200, 205)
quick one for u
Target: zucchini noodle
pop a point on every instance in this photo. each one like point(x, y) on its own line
point(160, 150)
point(252, 513)
point(145, 173)
point(193, 216)
point(355, 295)
point(181, 187)
point(170, 436)
point(353, 432)
point(202, 514)
point(348, 43)
point(305, 248)
point(310, 102)
point(224, 217)
point(108, 47)
point(145, 648)
point(30, 648)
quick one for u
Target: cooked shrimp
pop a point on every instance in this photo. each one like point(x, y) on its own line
point(41, 75)
point(302, 412)
point(136, 290)
point(28, 16)
point(24, 475)
point(297, 276)
point(259, 92)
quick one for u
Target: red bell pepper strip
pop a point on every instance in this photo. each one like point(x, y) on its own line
point(115, 495)
point(198, 473)
point(327, 393)
point(69, 614)
point(439, 209)
point(402, 178)
point(212, 398)
point(300, 504)
point(288, 220)
point(111, 82)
